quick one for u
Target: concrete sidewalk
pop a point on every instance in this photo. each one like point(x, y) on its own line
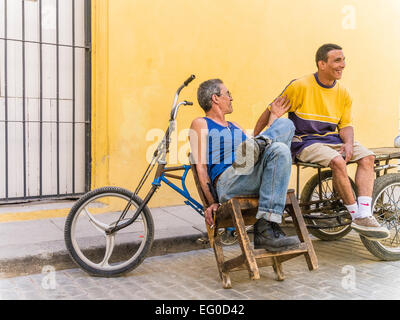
point(26, 246)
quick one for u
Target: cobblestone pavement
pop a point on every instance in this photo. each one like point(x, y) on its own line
point(346, 271)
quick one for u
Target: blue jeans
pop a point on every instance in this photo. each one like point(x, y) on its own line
point(270, 176)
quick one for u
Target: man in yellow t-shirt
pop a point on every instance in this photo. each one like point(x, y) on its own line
point(320, 108)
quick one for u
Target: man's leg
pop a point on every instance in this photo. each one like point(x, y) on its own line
point(365, 176)
point(274, 170)
point(366, 224)
point(269, 179)
point(341, 180)
point(327, 156)
point(274, 166)
point(281, 130)
point(249, 151)
point(363, 221)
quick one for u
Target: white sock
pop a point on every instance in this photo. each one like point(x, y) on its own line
point(353, 210)
point(364, 206)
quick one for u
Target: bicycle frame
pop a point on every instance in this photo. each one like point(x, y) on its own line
point(162, 175)
point(183, 191)
point(326, 203)
point(378, 167)
point(162, 171)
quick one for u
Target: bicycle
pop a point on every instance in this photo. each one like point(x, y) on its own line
point(113, 211)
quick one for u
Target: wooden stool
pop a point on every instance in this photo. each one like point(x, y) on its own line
point(239, 212)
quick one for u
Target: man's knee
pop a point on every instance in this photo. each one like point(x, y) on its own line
point(367, 162)
point(285, 124)
point(282, 150)
point(337, 163)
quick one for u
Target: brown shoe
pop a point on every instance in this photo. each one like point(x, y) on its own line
point(370, 228)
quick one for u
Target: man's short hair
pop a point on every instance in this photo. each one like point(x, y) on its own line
point(205, 92)
point(322, 52)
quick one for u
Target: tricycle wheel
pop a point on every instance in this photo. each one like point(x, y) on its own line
point(385, 207)
point(332, 205)
point(97, 252)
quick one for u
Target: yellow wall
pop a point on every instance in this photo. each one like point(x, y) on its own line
point(143, 50)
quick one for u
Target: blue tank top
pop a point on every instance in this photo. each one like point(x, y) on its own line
point(221, 144)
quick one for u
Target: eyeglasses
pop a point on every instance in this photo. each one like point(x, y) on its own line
point(228, 94)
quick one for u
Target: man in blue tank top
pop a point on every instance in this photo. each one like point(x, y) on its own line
point(234, 164)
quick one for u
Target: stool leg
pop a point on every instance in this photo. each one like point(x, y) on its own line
point(211, 235)
point(244, 240)
point(219, 256)
point(302, 232)
point(278, 269)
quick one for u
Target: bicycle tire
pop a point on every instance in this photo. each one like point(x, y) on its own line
point(387, 217)
point(134, 240)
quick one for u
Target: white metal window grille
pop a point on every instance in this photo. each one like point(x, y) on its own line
point(44, 99)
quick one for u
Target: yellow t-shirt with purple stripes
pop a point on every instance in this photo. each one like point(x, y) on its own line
point(317, 111)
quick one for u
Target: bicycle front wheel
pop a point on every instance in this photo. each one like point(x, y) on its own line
point(88, 244)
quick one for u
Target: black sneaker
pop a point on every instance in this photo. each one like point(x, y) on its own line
point(248, 153)
point(269, 236)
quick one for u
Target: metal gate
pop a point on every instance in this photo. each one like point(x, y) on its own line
point(45, 87)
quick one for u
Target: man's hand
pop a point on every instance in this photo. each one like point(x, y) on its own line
point(209, 213)
point(347, 150)
point(347, 136)
point(280, 106)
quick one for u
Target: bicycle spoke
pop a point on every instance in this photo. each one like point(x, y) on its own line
point(389, 213)
point(396, 236)
point(389, 195)
point(328, 191)
point(396, 205)
point(391, 198)
point(110, 243)
point(97, 224)
point(329, 197)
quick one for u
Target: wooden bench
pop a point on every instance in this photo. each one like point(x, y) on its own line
point(239, 212)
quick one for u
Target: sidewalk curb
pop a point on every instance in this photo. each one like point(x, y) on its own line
point(60, 260)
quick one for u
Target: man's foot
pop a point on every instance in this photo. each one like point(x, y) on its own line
point(269, 236)
point(370, 228)
point(248, 153)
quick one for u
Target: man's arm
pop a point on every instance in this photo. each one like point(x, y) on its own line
point(265, 120)
point(347, 136)
point(346, 131)
point(278, 108)
point(198, 141)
